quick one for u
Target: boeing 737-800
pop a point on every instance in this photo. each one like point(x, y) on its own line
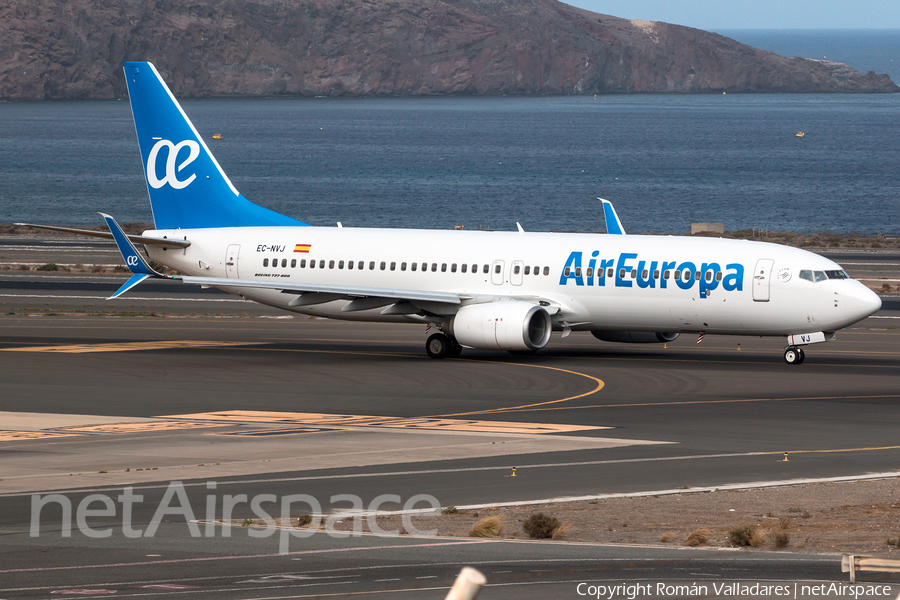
point(486, 290)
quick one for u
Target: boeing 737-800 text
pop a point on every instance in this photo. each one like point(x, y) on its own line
point(487, 290)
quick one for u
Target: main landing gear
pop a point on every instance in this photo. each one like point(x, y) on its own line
point(441, 345)
point(794, 355)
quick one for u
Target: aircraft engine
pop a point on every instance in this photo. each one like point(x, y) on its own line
point(635, 337)
point(502, 326)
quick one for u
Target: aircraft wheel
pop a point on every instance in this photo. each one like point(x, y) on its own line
point(455, 350)
point(801, 354)
point(439, 345)
point(793, 356)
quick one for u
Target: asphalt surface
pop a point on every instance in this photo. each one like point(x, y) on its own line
point(249, 398)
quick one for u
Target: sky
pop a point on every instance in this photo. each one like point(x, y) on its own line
point(715, 15)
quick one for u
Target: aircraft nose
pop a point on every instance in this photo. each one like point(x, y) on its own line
point(861, 302)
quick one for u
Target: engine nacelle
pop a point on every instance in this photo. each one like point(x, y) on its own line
point(635, 337)
point(502, 326)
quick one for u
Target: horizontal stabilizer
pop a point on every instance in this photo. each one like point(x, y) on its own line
point(137, 239)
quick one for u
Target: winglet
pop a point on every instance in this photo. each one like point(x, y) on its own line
point(133, 259)
point(613, 224)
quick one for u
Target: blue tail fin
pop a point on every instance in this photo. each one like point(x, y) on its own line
point(187, 187)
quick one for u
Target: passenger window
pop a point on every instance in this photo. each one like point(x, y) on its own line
point(709, 275)
point(330, 264)
point(341, 265)
point(634, 273)
point(412, 267)
point(537, 270)
point(464, 267)
point(546, 271)
point(322, 264)
point(293, 263)
point(621, 273)
point(697, 275)
point(360, 265)
point(283, 263)
point(393, 266)
point(655, 274)
point(528, 270)
point(403, 266)
point(487, 268)
point(475, 268)
point(302, 263)
point(265, 262)
point(567, 271)
point(371, 265)
point(516, 269)
point(453, 268)
point(820, 276)
point(589, 272)
point(666, 275)
point(577, 271)
point(349, 264)
point(496, 268)
point(677, 275)
point(719, 276)
point(433, 267)
point(609, 273)
point(644, 274)
point(312, 264)
point(383, 265)
point(443, 267)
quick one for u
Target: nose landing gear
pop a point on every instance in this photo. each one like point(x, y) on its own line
point(794, 355)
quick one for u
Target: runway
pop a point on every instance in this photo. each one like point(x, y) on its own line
point(178, 384)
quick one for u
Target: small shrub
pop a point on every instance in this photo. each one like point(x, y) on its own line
point(541, 526)
point(450, 510)
point(488, 527)
point(780, 539)
point(698, 537)
point(667, 537)
point(48, 267)
point(304, 520)
point(745, 536)
point(247, 523)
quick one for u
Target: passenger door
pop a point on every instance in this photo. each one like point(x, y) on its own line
point(762, 276)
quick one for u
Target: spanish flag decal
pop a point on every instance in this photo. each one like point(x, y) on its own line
point(302, 247)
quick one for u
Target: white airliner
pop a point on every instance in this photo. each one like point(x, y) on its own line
point(487, 290)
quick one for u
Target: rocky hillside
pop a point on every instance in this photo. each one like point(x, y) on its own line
point(64, 49)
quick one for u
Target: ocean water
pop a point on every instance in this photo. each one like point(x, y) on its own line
point(664, 161)
point(865, 50)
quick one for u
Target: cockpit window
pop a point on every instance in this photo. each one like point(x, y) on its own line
point(820, 276)
point(837, 274)
point(807, 275)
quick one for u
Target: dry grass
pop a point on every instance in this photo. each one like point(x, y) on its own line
point(489, 527)
point(698, 537)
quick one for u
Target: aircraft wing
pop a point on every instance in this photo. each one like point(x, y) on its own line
point(338, 291)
